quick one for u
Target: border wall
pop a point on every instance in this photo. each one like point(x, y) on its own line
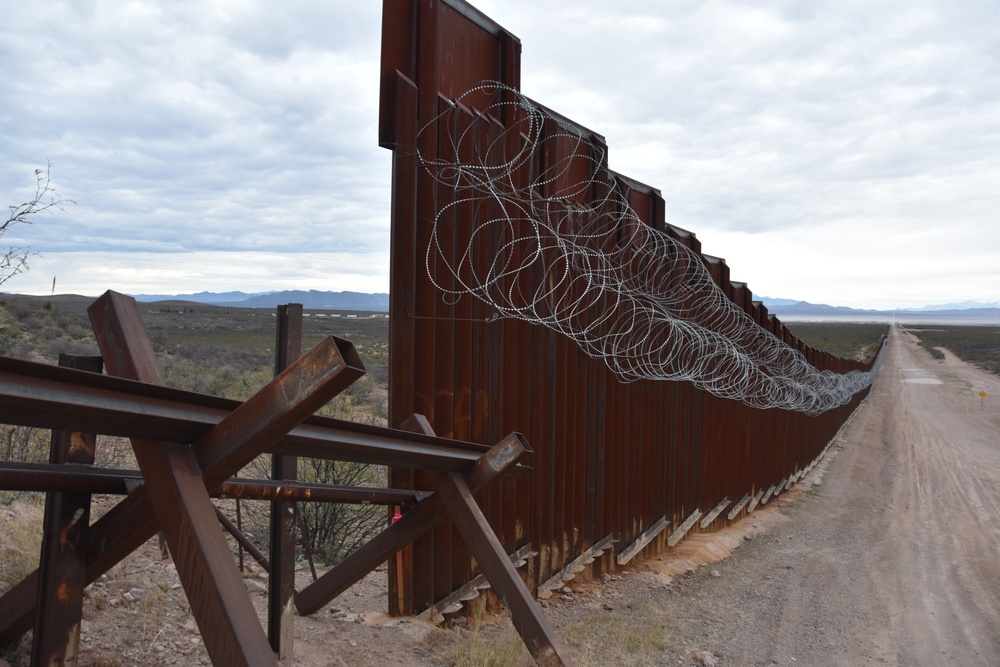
point(619, 469)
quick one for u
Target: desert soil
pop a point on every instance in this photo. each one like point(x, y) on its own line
point(888, 554)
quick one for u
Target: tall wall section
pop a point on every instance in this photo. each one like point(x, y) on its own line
point(613, 456)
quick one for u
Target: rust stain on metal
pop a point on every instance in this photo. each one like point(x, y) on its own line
point(80, 445)
point(66, 538)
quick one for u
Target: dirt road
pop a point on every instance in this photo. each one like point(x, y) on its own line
point(894, 559)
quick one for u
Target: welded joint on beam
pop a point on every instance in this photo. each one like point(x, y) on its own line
point(755, 501)
point(455, 601)
point(738, 507)
point(647, 536)
point(711, 516)
point(682, 529)
point(576, 566)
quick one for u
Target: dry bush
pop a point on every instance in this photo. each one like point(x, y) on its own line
point(24, 444)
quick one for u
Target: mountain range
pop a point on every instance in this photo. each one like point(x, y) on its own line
point(967, 312)
point(313, 299)
point(789, 309)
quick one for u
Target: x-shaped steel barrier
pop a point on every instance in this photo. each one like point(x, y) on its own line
point(189, 447)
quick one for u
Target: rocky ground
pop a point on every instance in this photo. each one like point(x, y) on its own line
point(886, 555)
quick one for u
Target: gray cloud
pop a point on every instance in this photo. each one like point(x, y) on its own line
point(863, 137)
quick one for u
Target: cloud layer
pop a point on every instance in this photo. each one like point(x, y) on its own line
point(837, 152)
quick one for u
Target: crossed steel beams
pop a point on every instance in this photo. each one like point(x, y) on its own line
point(189, 445)
point(16, 476)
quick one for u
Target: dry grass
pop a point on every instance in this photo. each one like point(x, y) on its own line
point(607, 638)
point(484, 645)
point(21, 527)
point(20, 547)
point(597, 638)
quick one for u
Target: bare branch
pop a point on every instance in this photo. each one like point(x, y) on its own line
point(46, 200)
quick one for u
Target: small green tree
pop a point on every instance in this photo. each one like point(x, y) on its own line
point(46, 200)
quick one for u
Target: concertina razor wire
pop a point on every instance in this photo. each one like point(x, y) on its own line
point(579, 261)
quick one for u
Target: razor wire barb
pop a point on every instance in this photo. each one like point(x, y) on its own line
point(573, 256)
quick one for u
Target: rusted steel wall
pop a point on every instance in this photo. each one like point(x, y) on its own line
point(610, 458)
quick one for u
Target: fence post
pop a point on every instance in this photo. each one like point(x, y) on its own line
point(63, 561)
point(281, 584)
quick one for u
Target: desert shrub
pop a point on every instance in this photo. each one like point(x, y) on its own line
point(979, 345)
point(8, 332)
point(334, 530)
point(114, 452)
point(847, 340)
point(24, 444)
point(364, 401)
point(222, 380)
point(64, 345)
point(51, 332)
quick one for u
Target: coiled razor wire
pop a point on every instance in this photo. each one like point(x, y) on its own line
point(573, 256)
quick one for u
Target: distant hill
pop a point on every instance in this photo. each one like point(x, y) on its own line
point(789, 310)
point(786, 306)
point(199, 297)
point(313, 299)
point(967, 312)
point(961, 305)
point(772, 302)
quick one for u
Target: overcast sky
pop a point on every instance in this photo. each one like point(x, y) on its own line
point(836, 152)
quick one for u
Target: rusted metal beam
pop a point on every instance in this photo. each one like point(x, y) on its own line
point(176, 481)
point(252, 489)
point(63, 564)
point(643, 540)
point(16, 476)
point(281, 584)
point(238, 535)
point(213, 585)
point(414, 523)
point(541, 639)
point(45, 396)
